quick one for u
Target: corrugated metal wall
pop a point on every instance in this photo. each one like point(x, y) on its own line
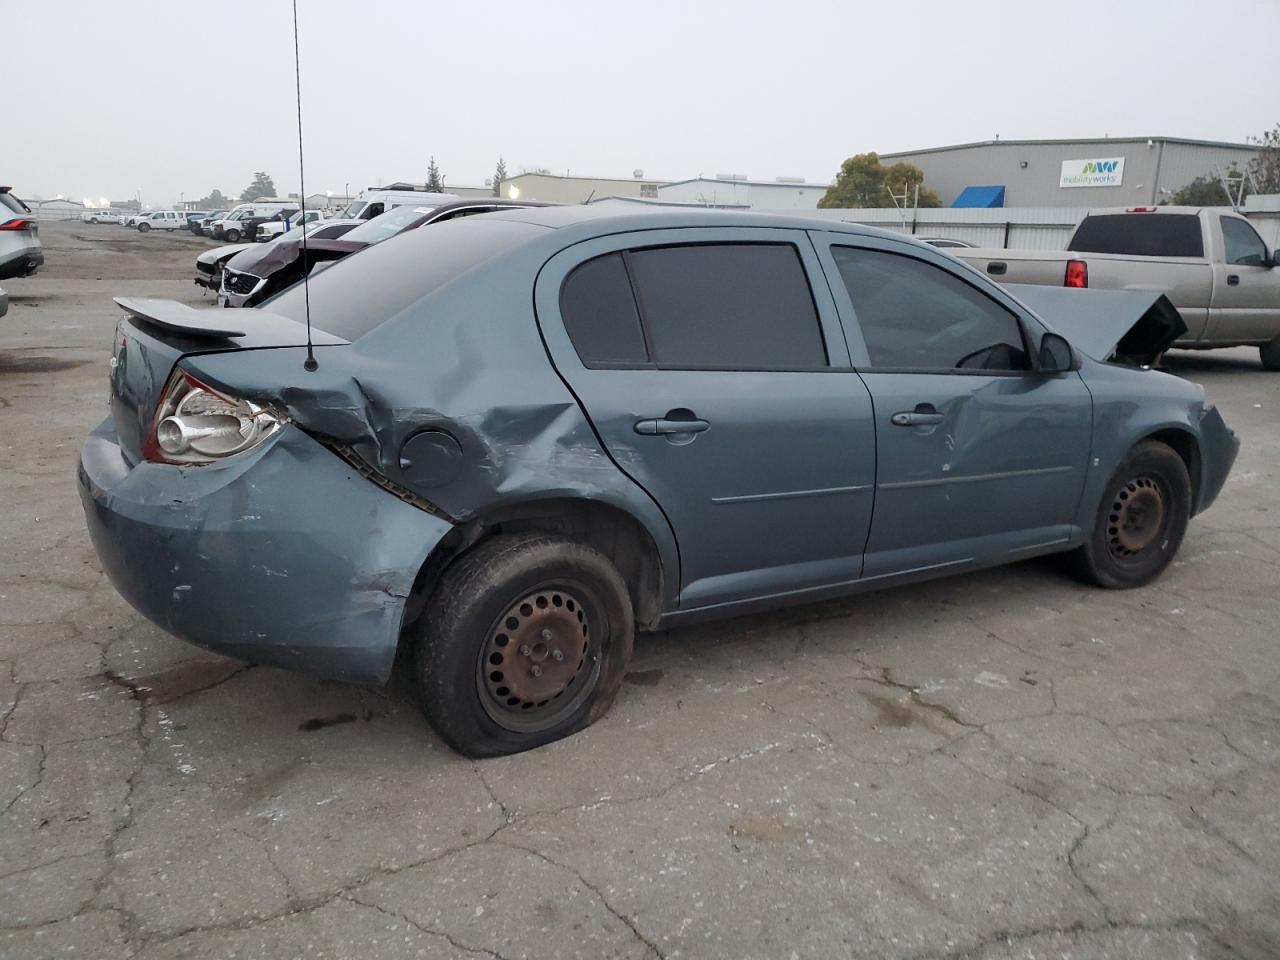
point(1017, 228)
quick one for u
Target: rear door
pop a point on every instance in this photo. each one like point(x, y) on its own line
point(717, 377)
point(979, 457)
point(1246, 290)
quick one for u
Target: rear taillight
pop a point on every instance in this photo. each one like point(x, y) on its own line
point(18, 223)
point(1077, 274)
point(196, 424)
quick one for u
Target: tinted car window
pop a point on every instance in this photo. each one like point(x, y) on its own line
point(11, 202)
point(917, 316)
point(1244, 247)
point(599, 312)
point(739, 306)
point(1140, 234)
point(366, 289)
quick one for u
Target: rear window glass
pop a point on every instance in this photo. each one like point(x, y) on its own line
point(1140, 234)
point(368, 288)
point(600, 315)
point(728, 306)
point(10, 202)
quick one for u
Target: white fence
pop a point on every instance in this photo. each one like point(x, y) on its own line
point(1013, 228)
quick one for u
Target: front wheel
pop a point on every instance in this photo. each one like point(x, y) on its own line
point(525, 641)
point(1270, 354)
point(144, 227)
point(231, 236)
point(1140, 522)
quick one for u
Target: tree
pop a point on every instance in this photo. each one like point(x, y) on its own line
point(435, 179)
point(1265, 167)
point(863, 181)
point(262, 186)
point(214, 201)
point(499, 174)
point(1205, 191)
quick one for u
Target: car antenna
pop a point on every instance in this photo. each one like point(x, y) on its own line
point(310, 363)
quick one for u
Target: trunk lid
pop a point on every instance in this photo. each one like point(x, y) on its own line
point(156, 334)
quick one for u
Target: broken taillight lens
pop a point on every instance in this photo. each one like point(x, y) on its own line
point(1077, 274)
point(197, 424)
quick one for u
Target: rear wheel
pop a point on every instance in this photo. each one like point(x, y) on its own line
point(1140, 522)
point(1270, 354)
point(525, 641)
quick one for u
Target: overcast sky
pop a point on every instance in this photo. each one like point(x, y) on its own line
point(176, 97)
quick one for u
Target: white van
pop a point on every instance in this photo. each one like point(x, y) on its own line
point(240, 221)
point(375, 200)
point(163, 220)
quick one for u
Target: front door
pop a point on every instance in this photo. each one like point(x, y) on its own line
point(979, 457)
point(1246, 289)
point(717, 377)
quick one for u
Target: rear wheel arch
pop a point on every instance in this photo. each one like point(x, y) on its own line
point(612, 531)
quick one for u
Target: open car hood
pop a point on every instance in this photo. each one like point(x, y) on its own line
point(1127, 326)
point(218, 254)
point(264, 259)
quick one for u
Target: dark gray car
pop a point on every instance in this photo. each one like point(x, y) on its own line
point(531, 433)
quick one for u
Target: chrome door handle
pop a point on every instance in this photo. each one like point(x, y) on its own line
point(922, 416)
point(662, 427)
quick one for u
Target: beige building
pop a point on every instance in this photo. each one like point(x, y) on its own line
point(555, 189)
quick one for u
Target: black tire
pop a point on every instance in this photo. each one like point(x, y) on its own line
point(144, 227)
point(231, 236)
point(490, 613)
point(1270, 354)
point(1141, 520)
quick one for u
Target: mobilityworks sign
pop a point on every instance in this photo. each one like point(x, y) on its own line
point(1108, 172)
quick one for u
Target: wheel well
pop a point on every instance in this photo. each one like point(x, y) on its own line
point(613, 532)
point(1185, 446)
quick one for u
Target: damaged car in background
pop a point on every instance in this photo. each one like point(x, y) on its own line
point(529, 434)
point(252, 275)
point(211, 263)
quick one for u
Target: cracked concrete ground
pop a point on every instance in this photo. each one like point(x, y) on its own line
point(1002, 765)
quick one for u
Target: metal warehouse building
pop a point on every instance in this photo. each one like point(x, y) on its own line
point(1112, 172)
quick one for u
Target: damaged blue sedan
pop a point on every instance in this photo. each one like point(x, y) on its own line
point(527, 435)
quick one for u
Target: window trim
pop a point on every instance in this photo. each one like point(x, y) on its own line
point(625, 254)
point(1027, 327)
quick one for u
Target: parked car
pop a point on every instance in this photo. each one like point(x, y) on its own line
point(530, 433)
point(240, 222)
point(275, 227)
point(101, 216)
point(262, 270)
point(251, 276)
point(21, 253)
point(194, 215)
point(375, 201)
point(200, 226)
point(945, 243)
point(163, 220)
point(135, 219)
point(1210, 261)
point(209, 264)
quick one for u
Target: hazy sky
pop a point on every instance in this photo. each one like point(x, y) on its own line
point(176, 97)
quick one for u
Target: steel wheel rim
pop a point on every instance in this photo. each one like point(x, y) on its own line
point(1137, 519)
point(540, 658)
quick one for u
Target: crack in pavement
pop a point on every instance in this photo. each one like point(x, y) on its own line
point(430, 931)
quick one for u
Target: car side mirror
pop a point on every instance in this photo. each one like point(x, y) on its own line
point(1056, 355)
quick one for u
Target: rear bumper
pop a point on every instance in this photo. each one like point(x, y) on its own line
point(1219, 446)
point(285, 556)
point(21, 263)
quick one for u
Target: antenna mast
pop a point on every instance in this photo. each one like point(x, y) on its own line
point(310, 363)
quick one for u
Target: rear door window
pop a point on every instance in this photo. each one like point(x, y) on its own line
point(1140, 234)
point(737, 306)
point(1244, 247)
point(600, 315)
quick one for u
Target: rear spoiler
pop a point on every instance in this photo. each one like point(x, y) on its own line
point(1126, 325)
point(265, 327)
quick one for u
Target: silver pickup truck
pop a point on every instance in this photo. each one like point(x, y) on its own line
point(1209, 261)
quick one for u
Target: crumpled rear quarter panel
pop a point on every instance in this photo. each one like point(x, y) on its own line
point(285, 556)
